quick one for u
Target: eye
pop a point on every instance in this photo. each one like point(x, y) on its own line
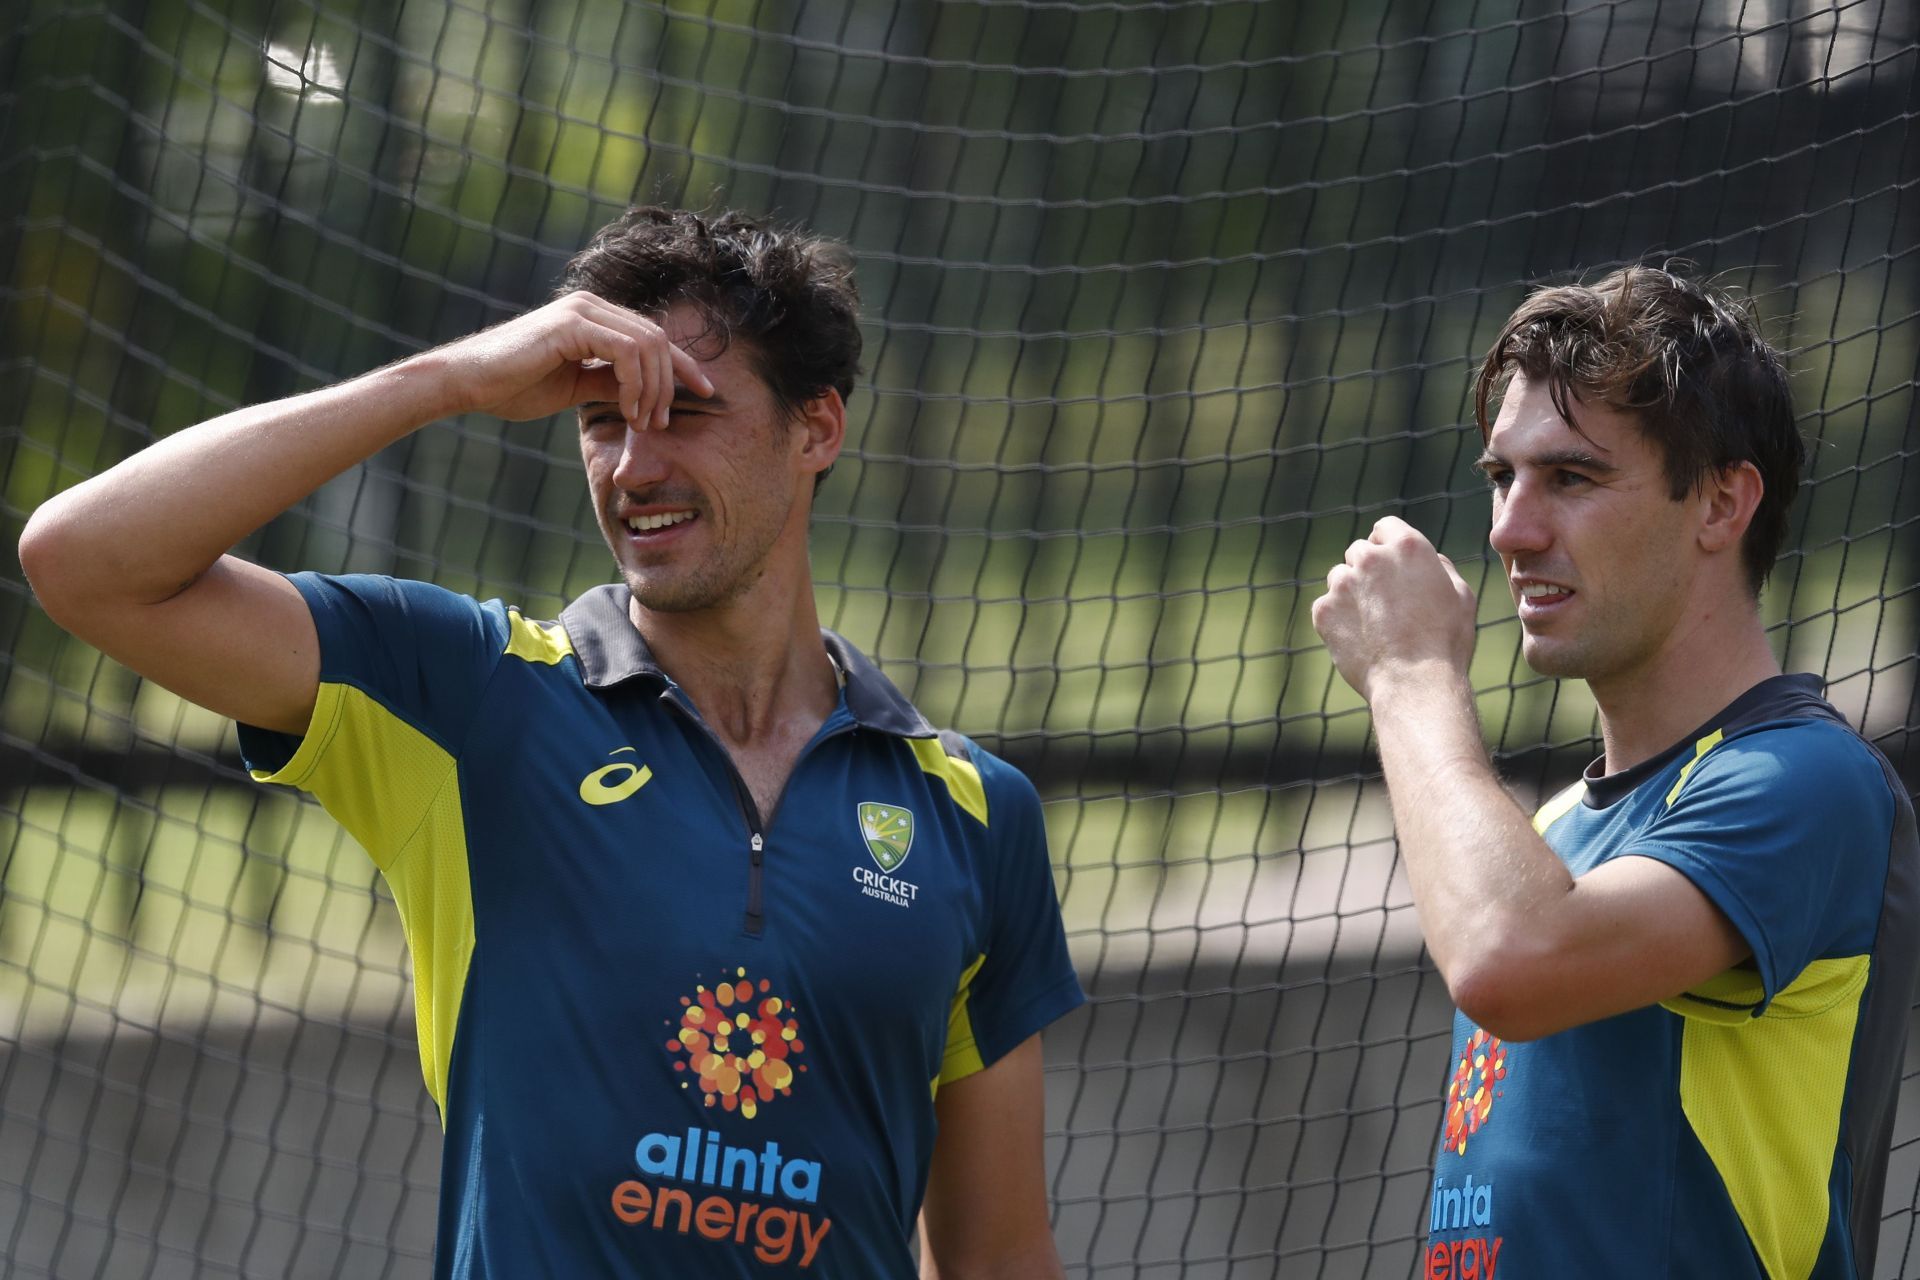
point(1499, 478)
point(1569, 479)
point(601, 419)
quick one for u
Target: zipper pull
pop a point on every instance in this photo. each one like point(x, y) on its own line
point(756, 913)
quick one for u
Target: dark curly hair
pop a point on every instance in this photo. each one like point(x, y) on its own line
point(788, 295)
point(1686, 361)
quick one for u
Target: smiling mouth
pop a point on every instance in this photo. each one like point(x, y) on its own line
point(656, 522)
point(1540, 595)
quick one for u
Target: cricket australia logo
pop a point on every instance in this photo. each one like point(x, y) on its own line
point(888, 832)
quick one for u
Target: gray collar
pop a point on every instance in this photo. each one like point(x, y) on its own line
point(611, 651)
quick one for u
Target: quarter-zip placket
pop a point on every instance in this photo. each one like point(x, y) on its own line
point(756, 918)
point(756, 837)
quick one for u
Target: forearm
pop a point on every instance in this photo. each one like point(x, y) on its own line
point(148, 527)
point(1480, 874)
point(1526, 950)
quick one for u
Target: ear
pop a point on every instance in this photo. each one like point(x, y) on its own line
point(823, 429)
point(1730, 497)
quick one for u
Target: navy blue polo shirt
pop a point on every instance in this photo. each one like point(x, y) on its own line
point(667, 1034)
point(1740, 1130)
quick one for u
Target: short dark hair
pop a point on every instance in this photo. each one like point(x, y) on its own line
point(1686, 360)
point(789, 295)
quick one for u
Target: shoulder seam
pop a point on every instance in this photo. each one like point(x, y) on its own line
point(959, 774)
point(1854, 740)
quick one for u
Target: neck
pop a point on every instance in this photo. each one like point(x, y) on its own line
point(755, 666)
point(1645, 711)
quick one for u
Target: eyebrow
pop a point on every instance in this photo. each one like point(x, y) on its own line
point(1585, 459)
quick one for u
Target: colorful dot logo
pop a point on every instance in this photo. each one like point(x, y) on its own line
point(739, 1043)
point(1471, 1092)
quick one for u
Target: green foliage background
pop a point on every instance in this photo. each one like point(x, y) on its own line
point(1166, 302)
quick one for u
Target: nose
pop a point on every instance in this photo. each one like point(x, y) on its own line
point(1520, 524)
point(643, 460)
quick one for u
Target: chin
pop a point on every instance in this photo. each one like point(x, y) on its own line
point(682, 594)
point(1558, 661)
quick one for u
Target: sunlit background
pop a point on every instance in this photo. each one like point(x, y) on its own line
point(1165, 302)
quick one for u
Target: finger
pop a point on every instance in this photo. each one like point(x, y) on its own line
point(648, 340)
point(643, 405)
point(646, 398)
point(679, 366)
point(1466, 593)
point(657, 409)
point(688, 369)
point(663, 372)
point(1388, 528)
point(615, 316)
point(1357, 549)
point(632, 371)
point(586, 341)
point(1317, 613)
point(597, 384)
point(1395, 531)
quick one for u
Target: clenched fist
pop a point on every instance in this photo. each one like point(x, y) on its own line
point(1395, 605)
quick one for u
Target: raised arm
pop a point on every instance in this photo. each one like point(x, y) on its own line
point(133, 560)
point(1526, 949)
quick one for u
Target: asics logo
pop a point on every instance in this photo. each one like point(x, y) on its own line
point(610, 784)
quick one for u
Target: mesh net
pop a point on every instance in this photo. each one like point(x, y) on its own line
point(1165, 303)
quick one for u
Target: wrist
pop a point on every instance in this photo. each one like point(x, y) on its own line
point(1417, 687)
point(1428, 730)
point(428, 385)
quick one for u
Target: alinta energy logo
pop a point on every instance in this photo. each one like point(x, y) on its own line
point(739, 1041)
point(1467, 1208)
point(1471, 1092)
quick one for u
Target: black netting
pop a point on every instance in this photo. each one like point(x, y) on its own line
point(1165, 302)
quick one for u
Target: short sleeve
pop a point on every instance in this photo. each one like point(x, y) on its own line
point(1025, 978)
point(402, 669)
point(1787, 830)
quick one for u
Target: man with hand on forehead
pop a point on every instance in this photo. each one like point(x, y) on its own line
point(1683, 985)
point(725, 958)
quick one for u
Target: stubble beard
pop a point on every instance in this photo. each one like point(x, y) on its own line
point(1604, 648)
point(710, 582)
point(711, 578)
point(704, 586)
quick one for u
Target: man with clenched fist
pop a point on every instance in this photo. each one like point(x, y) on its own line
point(1683, 984)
